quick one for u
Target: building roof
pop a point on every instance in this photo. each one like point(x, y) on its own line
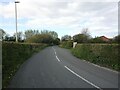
point(104, 38)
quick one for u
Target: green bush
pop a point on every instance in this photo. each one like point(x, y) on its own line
point(40, 38)
point(66, 44)
point(14, 54)
point(101, 54)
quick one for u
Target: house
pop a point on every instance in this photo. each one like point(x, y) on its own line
point(104, 38)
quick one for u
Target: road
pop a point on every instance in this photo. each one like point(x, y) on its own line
point(55, 67)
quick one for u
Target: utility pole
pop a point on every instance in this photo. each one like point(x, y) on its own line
point(16, 19)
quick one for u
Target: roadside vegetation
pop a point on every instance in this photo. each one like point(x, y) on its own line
point(98, 50)
point(66, 44)
point(14, 54)
point(102, 54)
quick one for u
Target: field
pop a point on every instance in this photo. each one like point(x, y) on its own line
point(102, 54)
point(13, 55)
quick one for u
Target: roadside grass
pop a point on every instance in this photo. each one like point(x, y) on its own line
point(105, 55)
point(13, 55)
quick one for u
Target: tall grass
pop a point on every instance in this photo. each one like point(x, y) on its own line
point(101, 54)
point(14, 54)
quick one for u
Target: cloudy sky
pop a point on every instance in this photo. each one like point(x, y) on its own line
point(63, 16)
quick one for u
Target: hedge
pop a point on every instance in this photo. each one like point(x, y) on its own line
point(13, 55)
point(102, 54)
point(66, 44)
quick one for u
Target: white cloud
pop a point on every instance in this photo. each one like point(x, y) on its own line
point(74, 14)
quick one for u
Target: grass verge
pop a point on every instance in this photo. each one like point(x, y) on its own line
point(102, 54)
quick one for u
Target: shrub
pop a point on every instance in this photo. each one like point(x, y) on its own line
point(14, 54)
point(40, 38)
point(102, 54)
point(66, 44)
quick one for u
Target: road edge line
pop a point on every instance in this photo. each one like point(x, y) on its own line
point(82, 78)
point(105, 68)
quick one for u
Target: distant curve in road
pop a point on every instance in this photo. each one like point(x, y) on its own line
point(55, 67)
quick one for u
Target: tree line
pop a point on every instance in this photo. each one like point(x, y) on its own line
point(85, 37)
point(51, 37)
point(33, 36)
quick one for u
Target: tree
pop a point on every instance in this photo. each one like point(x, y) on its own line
point(86, 32)
point(19, 36)
point(117, 39)
point(40, 38)
point(83, 37)
point(44, 32)
point(80, 38)
point(45, 36)
point(11, 38)
point(52, 33)
point(56, 41)
point(66, 38)
point(30, 33)
point(97, 40)
point(6, 38)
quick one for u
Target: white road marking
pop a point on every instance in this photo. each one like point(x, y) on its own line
point(53, 49)
point(82, 78)
point(56, 54)
point(101, 67)
point(105, 68)
point(57, 58)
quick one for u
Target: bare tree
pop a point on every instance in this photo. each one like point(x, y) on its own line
point(86, 32)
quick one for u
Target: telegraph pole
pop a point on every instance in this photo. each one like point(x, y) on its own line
point(16, 19)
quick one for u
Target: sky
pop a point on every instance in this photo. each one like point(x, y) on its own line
point(66, 17)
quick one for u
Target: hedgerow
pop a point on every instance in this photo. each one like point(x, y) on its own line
point(102, 54)
point(13, 55)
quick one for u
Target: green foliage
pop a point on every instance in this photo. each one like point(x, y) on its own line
point(66, 44)
point(14, 54)
point(97, 40)
point(117, 39)
point(40, 38)
point(53, 34)
point(45, 36)
point(66, 38)
point(80, 38)
point(56, 41)
point(83, 37)
point(19, 36)
point(101, 54)
point(30, 33)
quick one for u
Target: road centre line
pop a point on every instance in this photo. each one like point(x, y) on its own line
point(82, 78)
point(54, 50)
point(57, 58)
point(77, 74)
point(56, 55)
